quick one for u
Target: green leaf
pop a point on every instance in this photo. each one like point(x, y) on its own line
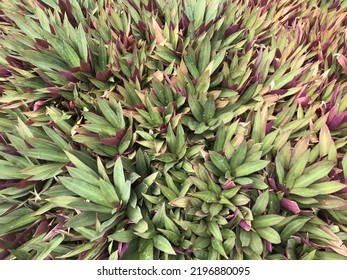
point(344, 166)
point(109, 114)
point(195, 107)
point(211, 11)
point(146, 249)
point(108, 191)
point(293, 227)
point(124, 236)
point(66, 52)
point(269, 234)
point(220, 161)
point(85, 190)
point(162, 244)
point(78, 250)
point(82, 43)
point(11, 172)
point(220, 138)
point(205, 54)
point(46, 154)
point(239, 155)
point(206, 196)
point(123, 187)
point(304, 192)
point(18, 223)
point(56, 138)
point(54, 243)
point(82, 220)
point(199, 12)
point(314, 174)
point(44, 61)
point(83, 176)
point(217, 59)
point(214, 229)
point(250, 167)
point(209, 109)
point(261, 203)
point(267, 220)
point(218, 246)
point(170, 235)
point(256, 243)
point(328, 187)
point(203, 83)
point(43, 172)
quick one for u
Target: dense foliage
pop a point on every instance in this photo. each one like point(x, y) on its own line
point(173, 129)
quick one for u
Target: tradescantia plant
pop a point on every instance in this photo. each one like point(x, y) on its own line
point(140, 129)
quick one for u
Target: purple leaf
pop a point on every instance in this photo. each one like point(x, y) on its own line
point(232, 29)
point(290, 205)
point(245, 225)
point(228, 184)
point(268, 246)
point(114, 140)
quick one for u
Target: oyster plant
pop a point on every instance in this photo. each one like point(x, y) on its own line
point(173, 129)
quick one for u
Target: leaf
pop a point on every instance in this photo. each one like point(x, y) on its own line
point(314, 175)
point(218, 246)
point(124, 236)
point(214, 229)
point(46, 154)
point(269, 234)
point(158, 32)
point(220, 138)
point(199, 12)
point(285, 79)
point(195, 107)
point(206, 196)
point(11, 172)
point(209, 109)
point(66, 52)
point(203, 82)
point(261, 203)
point(239, 155)
point(205, 55)
point(82, 220)
point(218, 59)
point(298, 167)
point(331, 202)
point(293, 227)
point(44, 61)
point(170, 235)
point(162, 244)
point(85, 190)
point(304, 192)
point(220, 161)
point(324, 140)
point(211, 11)
point(256, 243)
point(123, 187)
point(56, 138)
point(250, 167)
point(267, 220)
point(18, 223)
point(108, 191)
point(109, 114)
point(180, 141)
point(344, 166)
point(245, 237)
point(54, 243)
point(82, 43)
point(43, 172)
point(146, 249)
point(78, 250)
